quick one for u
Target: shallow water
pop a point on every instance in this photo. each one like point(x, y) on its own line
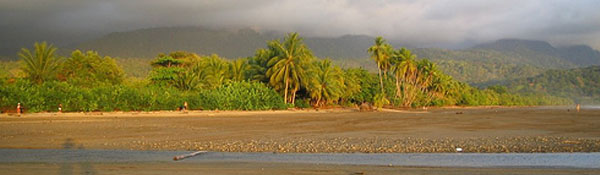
point(583, 107)
point(540, 160)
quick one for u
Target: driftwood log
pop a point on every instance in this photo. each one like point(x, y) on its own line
point(179, 157)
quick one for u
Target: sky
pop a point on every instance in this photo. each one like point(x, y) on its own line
point(424, 23)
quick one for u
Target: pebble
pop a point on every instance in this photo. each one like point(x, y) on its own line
point(379, 145)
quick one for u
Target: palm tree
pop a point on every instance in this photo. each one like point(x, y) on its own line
point(407, 66)
point(405, 70)
point(216, 70)
point(41, 65)
point(327, 86)
point(187, 80)
point(441, 83)
point(258, 65)
point(427, 72)
point(396, 62)
point(288, 65)
point(238, 69)
point(380, 52)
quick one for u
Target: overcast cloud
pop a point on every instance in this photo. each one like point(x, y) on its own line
point(425, 23)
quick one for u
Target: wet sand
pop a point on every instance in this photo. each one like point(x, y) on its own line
point(81, 161)
point(437, 130)
point(264, 168)
point(452, 160)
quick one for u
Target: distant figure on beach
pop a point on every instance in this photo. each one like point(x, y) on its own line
point(578, 107)
point(60, 108)
point(19, 109)
point(185, 106)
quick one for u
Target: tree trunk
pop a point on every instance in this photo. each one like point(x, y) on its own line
point(294, 95)
point(285, 95)
point(380, 78)
point(318, 102)
point(397, 86)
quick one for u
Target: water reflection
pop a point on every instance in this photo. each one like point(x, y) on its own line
point(67, 167)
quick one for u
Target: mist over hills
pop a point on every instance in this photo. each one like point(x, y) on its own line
point(581, 55)
point(147, 43)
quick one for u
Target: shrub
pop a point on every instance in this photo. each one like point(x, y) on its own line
point(240, 96)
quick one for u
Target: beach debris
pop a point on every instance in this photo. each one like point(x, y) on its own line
point(366, 107)
point(459, 149)
point(180, 157)
point(459, 112)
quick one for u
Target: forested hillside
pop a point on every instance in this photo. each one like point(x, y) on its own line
point(543, 54)
point(507, 59)
point(581, 55)
point(147, 43)
point(483, 64)
point(580, 84)
point(478, 66)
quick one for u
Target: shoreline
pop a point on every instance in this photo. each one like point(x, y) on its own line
point(432, 160)
point(485, 129)
point(173, 113)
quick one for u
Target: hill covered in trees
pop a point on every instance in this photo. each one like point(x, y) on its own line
point(478, 66)
point(147, 43)
point(580, 84)
point(544, 54)
point(484, 63)
point(509, 59)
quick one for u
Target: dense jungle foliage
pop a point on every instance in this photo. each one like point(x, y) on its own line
point(282, 75)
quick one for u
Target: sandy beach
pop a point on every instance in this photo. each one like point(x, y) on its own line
point(526, 129)
point(486, 130)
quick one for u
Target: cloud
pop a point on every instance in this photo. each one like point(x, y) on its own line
point(440, 23)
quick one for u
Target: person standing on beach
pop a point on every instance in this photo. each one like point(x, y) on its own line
point(60, 108)
point(185, 106)
point(19, 109)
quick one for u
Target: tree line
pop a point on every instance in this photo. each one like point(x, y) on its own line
point(282, 75)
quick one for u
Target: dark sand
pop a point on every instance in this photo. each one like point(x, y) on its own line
point(438, 130)
point(264, 168)
point(442, 130)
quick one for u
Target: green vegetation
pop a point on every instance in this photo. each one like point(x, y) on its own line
point(89, 69)
point(41, 65)
point(288, 65)
point(284, 74)
point(418, 82)
point(47, 96)
point(327, 85)
point(10, 69)
point(135, 67)
point(380, 53)
point(580, 84)
point(480, 65)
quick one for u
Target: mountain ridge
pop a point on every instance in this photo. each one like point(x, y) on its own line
point(487, 62)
